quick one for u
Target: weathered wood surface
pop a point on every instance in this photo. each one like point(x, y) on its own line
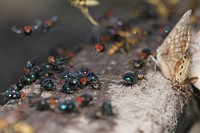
point(151, 106)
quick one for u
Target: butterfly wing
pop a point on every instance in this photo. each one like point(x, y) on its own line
point(194, 68)
point(174, 47)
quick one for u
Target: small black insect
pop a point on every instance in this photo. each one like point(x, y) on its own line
point(47, 84)
point(105, 110)
point(48, 24)
point(130, 78)
point(74, 82)
point(67, 88)
point(31, 63)
point(46, 104)
point(93, 80)
point(28, 79)
point(13, 94)
point(46, 70)
point(19, 85)
point(58, 64)
point(84, 100)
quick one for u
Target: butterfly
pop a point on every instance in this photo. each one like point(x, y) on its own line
point(194, 68)
point(174, 55)
point(83, 5)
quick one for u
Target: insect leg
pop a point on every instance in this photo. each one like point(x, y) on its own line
point(154, 60)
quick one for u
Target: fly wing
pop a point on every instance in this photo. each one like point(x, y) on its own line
point(17, 29)
point(37, 25)
point(174, 46)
